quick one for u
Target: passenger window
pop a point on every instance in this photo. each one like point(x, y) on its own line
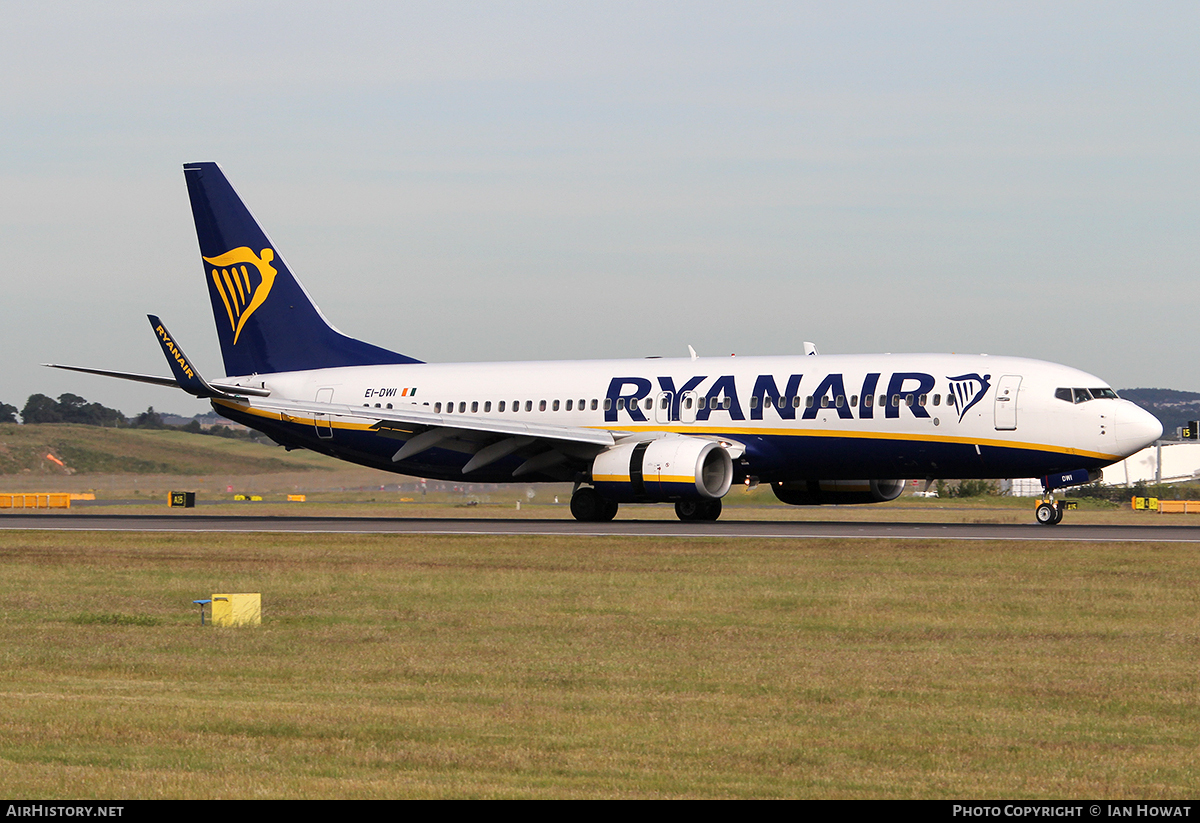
point(528, 405)
point(728, 403)
point(569, 402)
point(607, 404)
point(937, 400)
point(462, 406)
point(620, 404)
point(853, 400)
point(500, 407)
point(824, 402)
point(896, 400)
point(555, 405)
point(922, 399)
point(754, 402)
point(474, 406)
point(541, 405)
point(437, 408)
point(389, 405)
point(868, 400)
point(796, 402)
point(487, 407)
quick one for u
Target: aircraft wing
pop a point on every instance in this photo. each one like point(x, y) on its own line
point(545, 448)
point(384, 417)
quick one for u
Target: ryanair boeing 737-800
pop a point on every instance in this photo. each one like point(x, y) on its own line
point(818, 428)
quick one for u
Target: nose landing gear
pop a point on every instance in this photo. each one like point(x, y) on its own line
point(1049, 512)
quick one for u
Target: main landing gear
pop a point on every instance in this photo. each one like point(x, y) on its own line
point(589, 507)
point(698, 510)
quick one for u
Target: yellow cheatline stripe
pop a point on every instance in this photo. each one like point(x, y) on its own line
point(292, 418)
point(859, 435)
point(925, 438)
point(648, 478)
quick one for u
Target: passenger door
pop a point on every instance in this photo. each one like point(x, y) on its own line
point(1006, 402)
point(322, 421)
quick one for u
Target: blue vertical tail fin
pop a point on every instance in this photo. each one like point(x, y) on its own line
point(266, 321)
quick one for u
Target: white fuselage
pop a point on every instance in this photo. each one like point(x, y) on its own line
point(823, 416)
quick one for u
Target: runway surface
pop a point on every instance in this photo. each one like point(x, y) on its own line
point(726, 529)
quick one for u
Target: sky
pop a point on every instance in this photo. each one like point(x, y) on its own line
point(528, 180)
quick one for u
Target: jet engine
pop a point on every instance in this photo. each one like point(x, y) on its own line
point(669, 468)
point(839, 492)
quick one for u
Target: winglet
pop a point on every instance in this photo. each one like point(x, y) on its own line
point(186, 375)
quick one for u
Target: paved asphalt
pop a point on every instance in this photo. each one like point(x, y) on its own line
point(727, 529)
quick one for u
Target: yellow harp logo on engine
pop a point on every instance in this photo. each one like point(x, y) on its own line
point(242, 290)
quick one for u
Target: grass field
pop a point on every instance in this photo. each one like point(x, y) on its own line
point(88, 450)
point(610, 667)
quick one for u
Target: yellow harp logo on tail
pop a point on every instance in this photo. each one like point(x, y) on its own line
point(236, 284)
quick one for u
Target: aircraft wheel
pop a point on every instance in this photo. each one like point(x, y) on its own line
point(698, 510)
point(608, 510)
point(712, 510)
point(1047, 515)
point(1062, 508)
point(586, 505)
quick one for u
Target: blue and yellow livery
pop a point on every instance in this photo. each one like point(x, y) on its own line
point(817, 428)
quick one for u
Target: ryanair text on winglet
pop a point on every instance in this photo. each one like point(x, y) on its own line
point(175, 352)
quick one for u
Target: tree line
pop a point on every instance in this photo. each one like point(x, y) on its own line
point(71, 408)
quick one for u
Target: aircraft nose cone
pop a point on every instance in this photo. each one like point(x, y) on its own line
point(1136, 429)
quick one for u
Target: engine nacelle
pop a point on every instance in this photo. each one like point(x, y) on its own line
point(669, 468)
point(837, 492)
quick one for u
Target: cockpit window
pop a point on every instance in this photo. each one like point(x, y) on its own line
point(1083, 395)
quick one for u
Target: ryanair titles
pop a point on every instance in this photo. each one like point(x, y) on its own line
point(174, 351)
point(720, 395)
